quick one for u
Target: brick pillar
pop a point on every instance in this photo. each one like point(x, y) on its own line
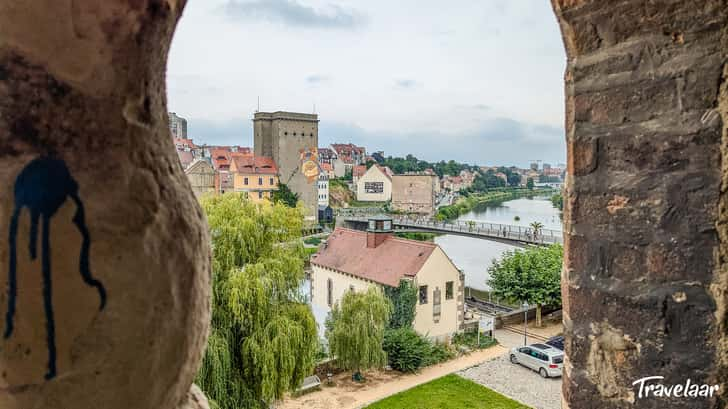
point(644, 280)
point(104, 255)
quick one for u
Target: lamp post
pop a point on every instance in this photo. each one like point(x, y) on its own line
point(525, 322)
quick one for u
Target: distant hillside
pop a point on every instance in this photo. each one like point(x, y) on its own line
point(339, 194)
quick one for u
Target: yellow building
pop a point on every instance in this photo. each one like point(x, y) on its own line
point(257, 176)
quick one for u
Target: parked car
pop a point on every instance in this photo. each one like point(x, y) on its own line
point(556, 342)
point(544, 359)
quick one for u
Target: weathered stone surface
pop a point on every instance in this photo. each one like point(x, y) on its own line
point(125, 281)
point(645, 278)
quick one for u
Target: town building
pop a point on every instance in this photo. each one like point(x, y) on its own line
point(291, 140)
point(326, 155)
point(325, 214)
point(177, 125)
point(352, 260)
point(323, 189)
point(414, 193)
point(185, 158)
point(256, 176)
point(350, 153)
point(375, 185)
point(202, 177)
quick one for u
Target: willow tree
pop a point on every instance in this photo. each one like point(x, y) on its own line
point(355, 330)
point(263, 337)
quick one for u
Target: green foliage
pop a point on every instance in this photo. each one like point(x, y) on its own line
point(470, 340)
point(263, 337)
point(466, 204)
point(449, 392)
point(558, 201)
point(406, 349)
point(529, 184)
point(404, 301)
point(412, 164)
point(312, 241)
point(355, 329)
point(419, 236)
point(532, 275)
point(285, 196)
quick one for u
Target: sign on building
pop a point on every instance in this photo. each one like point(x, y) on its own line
point(485, 324)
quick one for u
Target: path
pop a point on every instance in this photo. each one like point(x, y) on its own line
point(379, 385)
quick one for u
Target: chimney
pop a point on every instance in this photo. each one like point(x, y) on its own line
point(379, 230)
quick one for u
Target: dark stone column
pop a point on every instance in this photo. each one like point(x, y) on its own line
point(644, 280)
point(104, 253)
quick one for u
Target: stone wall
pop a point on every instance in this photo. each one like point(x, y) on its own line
point(644, 279)
point(105, 257)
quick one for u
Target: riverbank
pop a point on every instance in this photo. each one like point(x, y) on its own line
point(467, 204)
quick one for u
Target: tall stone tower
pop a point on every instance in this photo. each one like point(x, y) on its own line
point(291, 139)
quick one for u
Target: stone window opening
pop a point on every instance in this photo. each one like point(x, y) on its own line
point(449, 290)
point(423, 294)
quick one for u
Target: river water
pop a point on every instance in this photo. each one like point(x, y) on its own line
point(474, 256)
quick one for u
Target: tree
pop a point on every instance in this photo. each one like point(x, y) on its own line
point(532, 275)
point(263, 338)
point(529, 183)
point(404, 302)
point(536, 226)
point(285, 196)
point(355, 330)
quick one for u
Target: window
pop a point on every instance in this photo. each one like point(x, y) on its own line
point(271, 182)
point(260, 181)
point(329, 292)
point(285, 133)
point(245, 181)
point(448, 290)
point(436, 307)
point(374, 187)
point(260, 195)
point(423, 294)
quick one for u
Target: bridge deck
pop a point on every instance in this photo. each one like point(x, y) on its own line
point(501, 232)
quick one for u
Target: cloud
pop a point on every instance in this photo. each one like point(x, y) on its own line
point(293, 13)
point(406, 84)
point(317, 79)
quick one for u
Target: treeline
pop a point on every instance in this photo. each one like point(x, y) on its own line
point(469, 202)
point(411, 164)
point(488, 180)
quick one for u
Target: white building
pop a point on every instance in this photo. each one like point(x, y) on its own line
point(352, 260)
point(375, 185)
point(323, 189)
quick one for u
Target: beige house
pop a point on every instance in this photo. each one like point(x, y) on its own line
point(375, 185)
point(415, 193)
point(354, 260)
point(201, 175)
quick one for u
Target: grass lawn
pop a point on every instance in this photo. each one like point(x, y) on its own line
point(448, 392)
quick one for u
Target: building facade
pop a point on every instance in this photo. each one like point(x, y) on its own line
point(375, 185)
point(323, 189)
point(256, 176)
point(353, 260)
point(291, 140)
point(414, 193)
point(202, 177)
point(177, 125)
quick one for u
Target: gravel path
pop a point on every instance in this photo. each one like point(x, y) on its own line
point(517, 382)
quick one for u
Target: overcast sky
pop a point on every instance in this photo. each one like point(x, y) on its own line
point(478, 81)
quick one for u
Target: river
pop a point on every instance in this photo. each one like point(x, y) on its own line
point(474, 256)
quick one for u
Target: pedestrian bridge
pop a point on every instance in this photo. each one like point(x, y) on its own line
point(515, 235)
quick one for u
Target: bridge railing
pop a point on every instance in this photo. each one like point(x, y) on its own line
point(495, 230)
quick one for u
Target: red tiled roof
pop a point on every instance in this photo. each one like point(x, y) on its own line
point(359, 170)
point(346, 251)
point(185, 158)
point(255, 164)
point(386, 170)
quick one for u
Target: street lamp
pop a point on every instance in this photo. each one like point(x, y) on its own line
point(525, 322)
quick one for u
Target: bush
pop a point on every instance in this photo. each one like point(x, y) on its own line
point(470, 339)
point(406, 349)
point(313, 241)
point(438, 353)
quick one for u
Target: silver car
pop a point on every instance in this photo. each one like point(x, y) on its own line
point(544, 359)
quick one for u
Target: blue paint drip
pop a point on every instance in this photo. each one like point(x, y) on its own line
point(43, 186)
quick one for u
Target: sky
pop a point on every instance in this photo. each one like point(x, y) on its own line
point(477, 81)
